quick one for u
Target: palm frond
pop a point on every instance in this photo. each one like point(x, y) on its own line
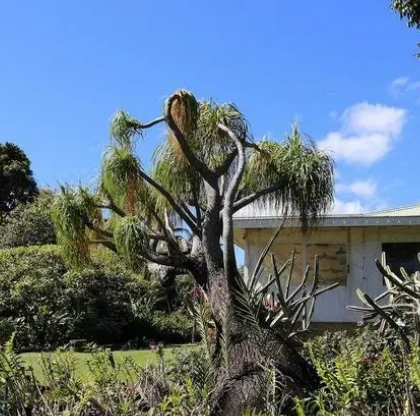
point(131, 240)
point(302, 173)
point(120, 178)
point(123, 128)
point(213, 144)
point(173, 172)
point(70, 212)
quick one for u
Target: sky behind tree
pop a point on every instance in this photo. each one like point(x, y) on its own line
point(345, 70)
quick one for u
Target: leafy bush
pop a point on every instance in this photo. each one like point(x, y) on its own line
point(48, 305)
point(361, 374)
point(29, 224)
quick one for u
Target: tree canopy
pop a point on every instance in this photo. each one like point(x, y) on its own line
point(29, 223)
point(17, 183)
point(209, 150)
point(410, 10)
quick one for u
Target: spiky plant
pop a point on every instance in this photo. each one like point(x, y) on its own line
point(398, 307)
point(207, 169)
point(277, 304)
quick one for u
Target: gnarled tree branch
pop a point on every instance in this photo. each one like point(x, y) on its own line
point(243, 202)
point(141, 126)
point(177, 208)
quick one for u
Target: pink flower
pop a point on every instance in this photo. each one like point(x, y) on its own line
point(196, 293)
point(271, 303)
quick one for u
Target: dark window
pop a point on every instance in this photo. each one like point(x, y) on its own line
point(402, 255)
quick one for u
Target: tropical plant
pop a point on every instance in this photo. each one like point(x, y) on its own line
point(17, 184)
point(207, 169)
point(398, 307)
point(277, 304)
point(396, 310)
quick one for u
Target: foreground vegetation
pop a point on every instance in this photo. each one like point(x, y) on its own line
point(375, 371)
point(365, 374)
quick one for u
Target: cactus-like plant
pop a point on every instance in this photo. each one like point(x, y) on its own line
point(281, 306)
point(398, 307)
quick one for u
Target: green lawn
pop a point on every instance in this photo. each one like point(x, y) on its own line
point(140, 357)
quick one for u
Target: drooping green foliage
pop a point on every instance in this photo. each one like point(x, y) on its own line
point(17, 184)
point(211, 144)
point(72, 211)
point(172, 170)
point(123, 128)
point(29, 224)
point(131, 240)
point(171, 167)
point(120, 178)
point(304, 172)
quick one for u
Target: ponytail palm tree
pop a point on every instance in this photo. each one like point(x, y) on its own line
point(208, 168)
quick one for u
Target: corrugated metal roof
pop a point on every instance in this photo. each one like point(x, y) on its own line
point(406, 211)
point(259, 216)
point(258, 211)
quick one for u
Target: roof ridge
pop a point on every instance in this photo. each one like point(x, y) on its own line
point(401, 208)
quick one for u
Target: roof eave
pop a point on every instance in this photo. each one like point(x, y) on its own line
point(350, 221)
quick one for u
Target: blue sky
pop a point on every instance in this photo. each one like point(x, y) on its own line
point(344, 69)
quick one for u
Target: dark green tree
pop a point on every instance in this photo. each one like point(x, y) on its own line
point(410, 10)
point(17, 183)
point(29, 223)
point(207, 169)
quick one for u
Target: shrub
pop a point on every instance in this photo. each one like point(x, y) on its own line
point(361, 374)
point(48, 305)
point(29, 224)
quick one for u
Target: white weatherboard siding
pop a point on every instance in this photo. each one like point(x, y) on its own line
point(362, 245)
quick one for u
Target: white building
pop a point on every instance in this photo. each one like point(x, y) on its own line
point(347, 245)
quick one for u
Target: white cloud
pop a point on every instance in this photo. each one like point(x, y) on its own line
point(367, 133)
point(357, 206)
point(348, 207)
point(398, 85)
point(365, 149)
point(402, 85)
point(364, 189)
point(365, 118)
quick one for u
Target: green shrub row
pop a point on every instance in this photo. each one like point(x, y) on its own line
point(48, 305)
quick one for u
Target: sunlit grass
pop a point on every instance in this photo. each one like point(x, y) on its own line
point(140, 357)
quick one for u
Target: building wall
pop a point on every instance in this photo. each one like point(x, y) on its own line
point(361, 246)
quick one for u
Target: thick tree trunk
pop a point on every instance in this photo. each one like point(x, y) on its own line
point(251, 353)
